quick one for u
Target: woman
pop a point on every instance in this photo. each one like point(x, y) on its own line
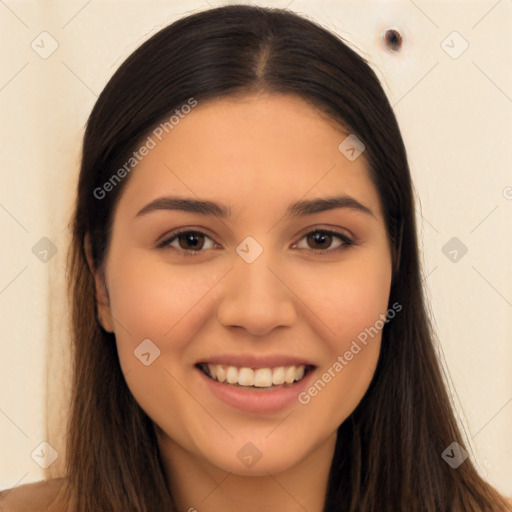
point(223, 359)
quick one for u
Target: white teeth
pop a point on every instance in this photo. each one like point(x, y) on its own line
point(246, 377)
point(259, 377)
point(213, 370)
point(232, 375)
point(290, 374)
point(263, 378)
point(278, 375)
point(221, 372)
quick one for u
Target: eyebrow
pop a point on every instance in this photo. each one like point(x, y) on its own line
point(297, 209)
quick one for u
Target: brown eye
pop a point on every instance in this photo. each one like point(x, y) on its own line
point(320, 241)
point(189, 242)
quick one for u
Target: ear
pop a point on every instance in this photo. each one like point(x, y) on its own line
point(101, 292)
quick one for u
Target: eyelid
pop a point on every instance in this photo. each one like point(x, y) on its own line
point(173, 235)
point(324, 228)
point(347, 240)
point(178, 231)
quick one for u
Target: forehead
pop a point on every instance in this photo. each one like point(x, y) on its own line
point(261, 149)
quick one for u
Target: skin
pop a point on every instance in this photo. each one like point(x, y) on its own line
point(255, 154)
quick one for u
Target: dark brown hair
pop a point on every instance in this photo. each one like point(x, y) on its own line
point(388, 452)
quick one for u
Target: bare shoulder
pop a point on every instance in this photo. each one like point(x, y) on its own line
point(44, 496)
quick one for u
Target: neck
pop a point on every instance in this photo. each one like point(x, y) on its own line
point(200, 486)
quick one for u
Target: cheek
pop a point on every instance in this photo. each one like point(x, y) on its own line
point(166, 304)
point(355, 303)
point(350, 299)
point(150, 299)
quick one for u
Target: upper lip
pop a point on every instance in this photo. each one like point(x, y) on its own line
point(255, 361)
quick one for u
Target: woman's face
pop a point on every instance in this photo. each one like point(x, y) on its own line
point(250, 293)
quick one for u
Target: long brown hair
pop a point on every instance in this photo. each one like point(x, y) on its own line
point(388, 452)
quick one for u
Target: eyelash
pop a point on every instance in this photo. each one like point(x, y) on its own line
point(347, 242)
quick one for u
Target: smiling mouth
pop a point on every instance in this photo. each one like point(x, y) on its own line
point(262, 379)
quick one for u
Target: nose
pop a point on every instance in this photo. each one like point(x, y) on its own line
point(256, 297)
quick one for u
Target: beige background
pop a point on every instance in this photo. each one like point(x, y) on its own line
point(455, 112)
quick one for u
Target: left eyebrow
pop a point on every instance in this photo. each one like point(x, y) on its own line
point(309, 207)
point(297, 209)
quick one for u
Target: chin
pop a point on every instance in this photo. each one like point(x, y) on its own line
point(246, 457)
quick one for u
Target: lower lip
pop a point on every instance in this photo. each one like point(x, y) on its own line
point(257, 401)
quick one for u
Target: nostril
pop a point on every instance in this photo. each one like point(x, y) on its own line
point(392, 39)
